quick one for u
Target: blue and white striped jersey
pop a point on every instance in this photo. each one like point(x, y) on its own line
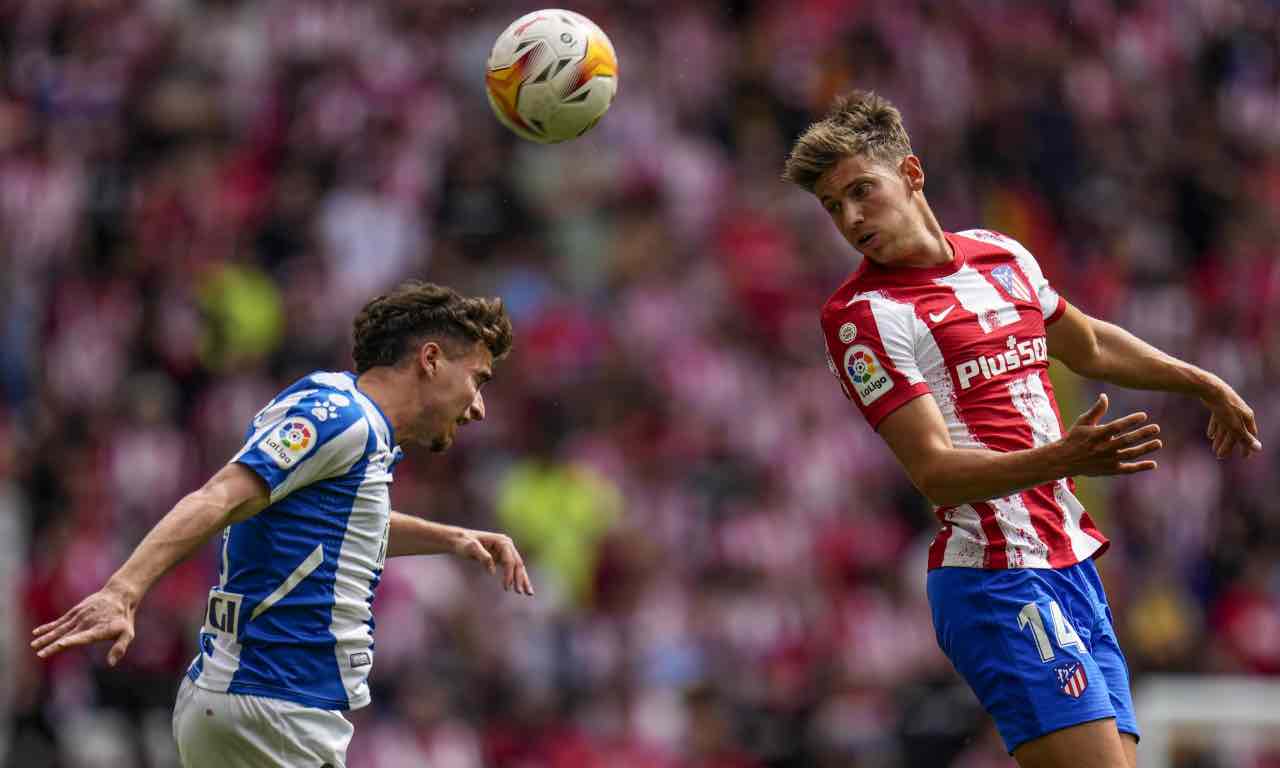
point(290, 617)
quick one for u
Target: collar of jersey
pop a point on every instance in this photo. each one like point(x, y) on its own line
point(391, 431)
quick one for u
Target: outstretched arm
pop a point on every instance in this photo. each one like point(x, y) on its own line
point(1101, 350)
point(948, 475)
point(411, 535)
point(235, 493)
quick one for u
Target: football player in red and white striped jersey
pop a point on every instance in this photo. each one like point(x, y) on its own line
point(941, 339)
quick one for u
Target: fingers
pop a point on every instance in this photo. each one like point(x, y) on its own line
point(1252, 425)
point(117, 651)
point(59, 623)
point(524, 585)
point(515, 576)
point(1251, 441)
point(53, 631)
point(477, 551)
point(83, 637)
point(509, 574)
point(1133, 468)
point(1137, 435)
point(1122, 425)
point(1128, 454)
point(1095, 412)
point(1220, 442)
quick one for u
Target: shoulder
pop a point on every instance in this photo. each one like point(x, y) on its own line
point(323, 397)
point(312, 418)
point(871, 317)
point(999, 241)
point(870, 305)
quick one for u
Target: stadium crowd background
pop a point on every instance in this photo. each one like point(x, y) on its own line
point(195, 197)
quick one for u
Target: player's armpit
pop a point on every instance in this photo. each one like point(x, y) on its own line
point(917, 434)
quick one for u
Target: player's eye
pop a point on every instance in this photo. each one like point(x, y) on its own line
point(862, 189)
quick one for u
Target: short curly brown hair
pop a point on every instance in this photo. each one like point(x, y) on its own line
point(858, 123)
point(390, 326)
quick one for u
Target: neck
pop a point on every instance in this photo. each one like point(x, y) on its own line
point(932, 249)
point(386, 387)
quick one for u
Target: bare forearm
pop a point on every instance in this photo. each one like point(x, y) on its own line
point(190, 523)
point(1125, 360)
point(966, 475)
point(415, 536)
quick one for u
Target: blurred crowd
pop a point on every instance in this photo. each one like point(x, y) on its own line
point(195, 198)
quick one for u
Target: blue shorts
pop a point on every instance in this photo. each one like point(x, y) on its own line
point(1035, 645)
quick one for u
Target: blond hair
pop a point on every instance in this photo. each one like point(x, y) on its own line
point(858, 123)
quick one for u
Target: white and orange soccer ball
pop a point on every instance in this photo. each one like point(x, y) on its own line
point(551, 75)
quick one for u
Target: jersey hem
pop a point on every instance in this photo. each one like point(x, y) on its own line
point(924, 390)
point(1057, 313)
point(270, 490)
point(1094, 555)
point(285, 694)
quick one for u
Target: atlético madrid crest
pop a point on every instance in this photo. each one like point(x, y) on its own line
point(1012, 285)
point(1072, 679)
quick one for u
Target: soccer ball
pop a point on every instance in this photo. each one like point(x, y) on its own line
point(551, 75)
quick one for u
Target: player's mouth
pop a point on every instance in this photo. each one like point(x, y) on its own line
point(866, 240)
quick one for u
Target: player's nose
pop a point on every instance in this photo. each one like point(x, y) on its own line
point(852, 218)
point(476, 411)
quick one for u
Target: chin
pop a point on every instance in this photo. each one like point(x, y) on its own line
point(441, 444)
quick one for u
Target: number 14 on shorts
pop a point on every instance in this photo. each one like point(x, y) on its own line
point(1031, 616)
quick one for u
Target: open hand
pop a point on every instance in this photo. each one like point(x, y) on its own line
point(493, 551)
point(1114, 448)
point(1231, 423)
point(104, 615)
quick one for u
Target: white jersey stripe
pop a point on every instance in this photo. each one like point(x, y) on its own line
point(303, 570)
point(938, 377)
point(980, 297)
point(362, 546)
point(1032, 401)
point(1023, 546)
point(894, 322)
point(967, 545)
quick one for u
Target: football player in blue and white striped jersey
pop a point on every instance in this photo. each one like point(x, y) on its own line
point(305, 510)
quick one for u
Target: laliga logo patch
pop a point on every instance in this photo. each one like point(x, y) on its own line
point(869, 377)
point(289, 442)
point(848, 332)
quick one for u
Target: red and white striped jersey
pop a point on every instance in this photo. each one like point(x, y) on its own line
point(970, 333)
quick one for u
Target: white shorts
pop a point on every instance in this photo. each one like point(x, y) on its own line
point(227, 730)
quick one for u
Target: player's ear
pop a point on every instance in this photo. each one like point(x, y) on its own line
point(429, 355)
point(913, 172)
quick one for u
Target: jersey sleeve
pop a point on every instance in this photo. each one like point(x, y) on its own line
point(304, 438)
point(871, 350)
